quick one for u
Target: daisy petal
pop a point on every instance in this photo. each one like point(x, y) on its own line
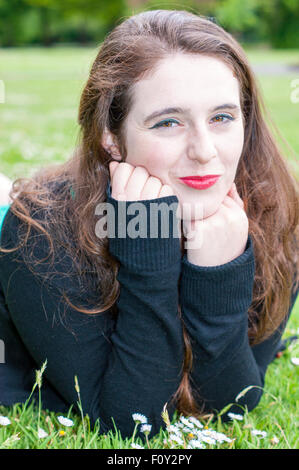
point(4, 421)
point(65, 421)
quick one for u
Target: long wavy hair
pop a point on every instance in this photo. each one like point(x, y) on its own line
point(264, 179)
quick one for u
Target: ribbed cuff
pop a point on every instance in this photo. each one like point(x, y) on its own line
point(145, 233)
point(221, 290)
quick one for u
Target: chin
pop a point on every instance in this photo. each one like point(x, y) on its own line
point(196, 211)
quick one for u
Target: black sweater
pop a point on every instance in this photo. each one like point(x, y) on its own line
point(132, 363)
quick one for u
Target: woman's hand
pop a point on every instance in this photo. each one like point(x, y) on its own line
point(220, 238)
point(129, 183)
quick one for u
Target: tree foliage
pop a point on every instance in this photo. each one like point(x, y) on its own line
point(52, 21)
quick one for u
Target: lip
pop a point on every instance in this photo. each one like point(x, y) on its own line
point(200, 182)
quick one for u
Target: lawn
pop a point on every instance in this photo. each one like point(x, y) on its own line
point(39, 126)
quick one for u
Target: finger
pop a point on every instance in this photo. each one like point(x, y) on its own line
point(166, 190)
point(120, 178)
point(151, 188)
point(112, 167)
point(136, 183)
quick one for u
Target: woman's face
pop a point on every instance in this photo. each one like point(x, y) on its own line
point(197, 139)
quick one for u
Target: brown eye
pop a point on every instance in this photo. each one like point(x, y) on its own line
point(223, 118)
point(165, 123)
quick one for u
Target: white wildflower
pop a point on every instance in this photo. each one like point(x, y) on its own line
point(136, 446)
point(295, 361)
point(256, 432)
point(195, 421)
point(187, 429)
point(139, 418)
point(65, 421)
point(274, 440)
point(186, 422)
point(4, 421)
point(180, 425)
point(146, 428)
point(173, 428)
point(207, 439)
point(176, 438)
point(195, 444)
point(235, 416)
point(220, 437)
point(41, 433)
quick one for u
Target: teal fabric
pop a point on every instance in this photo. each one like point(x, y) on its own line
point(3, 211)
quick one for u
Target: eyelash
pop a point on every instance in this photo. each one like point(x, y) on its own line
point(160, 124)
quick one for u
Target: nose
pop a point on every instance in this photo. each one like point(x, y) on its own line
point(200, 145)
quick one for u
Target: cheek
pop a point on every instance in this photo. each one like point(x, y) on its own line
point(151, 155)
point(232, 147)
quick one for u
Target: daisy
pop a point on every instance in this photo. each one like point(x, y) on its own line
point(295, 361)
point(146, 428)
point(186, 422)
point(4, 421)
point(173, 428)
point(65, 421)
point(195, 444)
point(195, 421)
point(139, 418)
point(41, 433)
point(207, 439)
point(220, 437)
point(176, 438)
point(187, 429)
point(235, 416)
point(136, 446)
point(256, 432)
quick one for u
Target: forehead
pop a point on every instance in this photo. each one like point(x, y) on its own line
point(186, 79)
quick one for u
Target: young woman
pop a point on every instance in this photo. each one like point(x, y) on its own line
point(191, 319)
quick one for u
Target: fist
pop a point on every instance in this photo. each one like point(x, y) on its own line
point(129, 183)
point(220, 238)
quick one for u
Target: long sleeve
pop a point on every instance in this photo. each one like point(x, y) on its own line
point(131, 364)
point(145, 368)
point(215, 301)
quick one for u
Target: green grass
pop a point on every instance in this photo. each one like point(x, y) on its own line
point(39, 126)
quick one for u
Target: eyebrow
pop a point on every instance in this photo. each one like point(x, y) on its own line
point(156, 114)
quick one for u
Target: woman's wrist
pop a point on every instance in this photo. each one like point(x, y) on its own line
point(144, 234)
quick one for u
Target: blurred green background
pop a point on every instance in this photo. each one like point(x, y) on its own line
point(48, 22)
point(47, 48)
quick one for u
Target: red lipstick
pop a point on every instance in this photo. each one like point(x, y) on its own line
point(200, 182)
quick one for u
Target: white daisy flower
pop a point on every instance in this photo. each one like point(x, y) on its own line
point(65, 421)
point(195, 421)
point(274, 440)
point(295, 361)
point(187, 429)
point(180, 425)
point(220, 437)
point(173, 428)
point(146, 428)
point(186, 422)
point(136, 446)
point(195, 444)
point(41, 433)
point(207, 439)
point(235, 416)
point(256, 432)
point(139, 418)
point(176, 438)
point(4, 421)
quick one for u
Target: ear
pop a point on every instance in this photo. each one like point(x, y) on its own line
point(108, 142)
